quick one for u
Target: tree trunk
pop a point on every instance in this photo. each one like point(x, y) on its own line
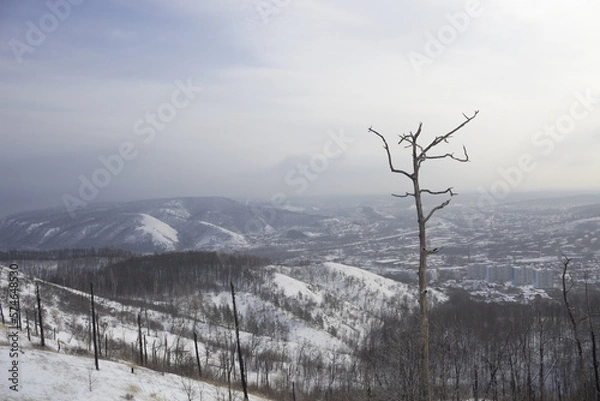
point(574, 325)
point(94, 331)
point(39, 304)
point(239, 348)
point(424, 385)
point(594, 347)
point(197, 354)
point(140, 339)
point(28, 329)
point(420, 153)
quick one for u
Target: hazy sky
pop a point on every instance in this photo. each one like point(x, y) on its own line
point(107, 93)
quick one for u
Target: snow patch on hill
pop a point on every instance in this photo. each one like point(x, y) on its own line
point(35, 226)
point(373, 282)
point(161, 233)
point(235, 239)
point(292, 287)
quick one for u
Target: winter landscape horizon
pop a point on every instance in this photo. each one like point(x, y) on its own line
point(317, 200)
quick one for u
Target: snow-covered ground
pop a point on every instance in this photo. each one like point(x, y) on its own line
point(320, 311)
point(48, 375)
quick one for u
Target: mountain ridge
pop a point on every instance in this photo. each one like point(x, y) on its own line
point(154, 225)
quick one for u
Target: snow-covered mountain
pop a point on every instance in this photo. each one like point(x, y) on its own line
point(151, 225)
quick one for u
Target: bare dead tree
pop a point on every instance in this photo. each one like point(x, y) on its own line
point(140, 339)
point(294, 391)
point(595, 362)
point(239, 347)
point(197, 355)
point(421, 153)
point(39, 305)
point(28, 329)
point(574, 323)
point(94, 331)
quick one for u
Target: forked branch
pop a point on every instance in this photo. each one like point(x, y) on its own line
point(463, 159)
point(389, 155)
point(445, 137)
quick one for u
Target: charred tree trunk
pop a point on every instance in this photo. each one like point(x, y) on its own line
point(28, 328)
point(239, 347)
point(94, 331)
point(140, 339)
point(293, 391)
point(40, 319)
point(98, 336)
point(197, 354)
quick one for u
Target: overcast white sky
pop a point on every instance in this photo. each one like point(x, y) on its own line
point(279, 78)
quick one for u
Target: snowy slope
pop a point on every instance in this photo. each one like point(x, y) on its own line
point(346, 299)
point(162, 235)
point(217, 236)
point(47, 375)
point(292, 314)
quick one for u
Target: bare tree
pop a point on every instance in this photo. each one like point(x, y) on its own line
point(140, 339)
point(197, 354)
point(574, 323)
point(94, 331)
point(189, 387)
point(239, 347)
point(39, 305)
point(421, 153)
point(595, 362)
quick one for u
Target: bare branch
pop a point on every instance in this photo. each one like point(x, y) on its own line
point(416, 136)
point(406, 195)
point(405, 137)
point(389, 155)
point(445, 137)
point(446, 191)
point(451, 156)
point(435, 209)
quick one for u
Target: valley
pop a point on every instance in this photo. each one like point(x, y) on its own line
point(318, 285)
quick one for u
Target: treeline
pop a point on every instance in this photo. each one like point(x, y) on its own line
point(489, 351)
point(16, 255)
point(161, 276)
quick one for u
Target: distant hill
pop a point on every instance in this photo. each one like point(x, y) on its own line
point(207, 223)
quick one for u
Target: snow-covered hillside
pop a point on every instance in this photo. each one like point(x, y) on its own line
point(48, 375)
point(160, 233)
point(292, 318)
